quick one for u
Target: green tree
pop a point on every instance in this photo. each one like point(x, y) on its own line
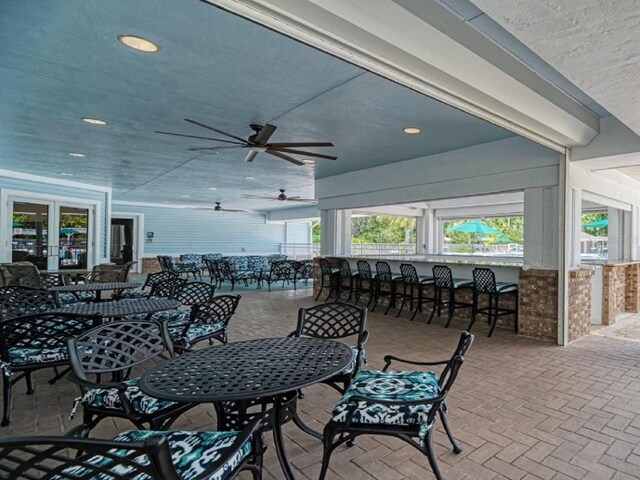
point(510, 227)
point(381, 229)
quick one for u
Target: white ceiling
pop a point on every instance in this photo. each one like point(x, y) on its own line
point(593, 43)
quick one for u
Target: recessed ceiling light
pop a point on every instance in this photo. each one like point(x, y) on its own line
point(94, 121)
point(308, 161)
point(138, 43)
point(66, 174)
point(411, 130)
point(212, 188)
point(249, 178)
point(75, 154)
point(185, 196)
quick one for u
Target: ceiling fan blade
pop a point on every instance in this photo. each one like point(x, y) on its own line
point(215, 130)
point(302, 152)
point(260, 197)
point(251, 154)
point(204, 149)
point(303, 200)
point(235, 210)
point(301, 144)
point(265, 134)
point(284, 157)
point(200, 138)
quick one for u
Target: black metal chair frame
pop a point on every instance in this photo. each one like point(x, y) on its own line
point(484, 283)
point(195, 293)
point(168, 288)
point(347, 280)
point(281, 270)
point(327, 272)
point(365, 277)
point(213, 267)
point(149, 282)
point(348, 431)
point(45, 330)
point(49, 457)
point(18, 301)
point(115, 349)
point(304, 271)
point(443, 282)
point(413, 290)
point(168, 264)
point(384, 277)
point(230, 273)
point(219, 309)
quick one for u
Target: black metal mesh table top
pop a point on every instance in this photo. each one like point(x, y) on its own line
point(93, 287)
point(121, 308)
point(246, 370)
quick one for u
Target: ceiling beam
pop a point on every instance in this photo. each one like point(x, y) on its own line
point(423, 56)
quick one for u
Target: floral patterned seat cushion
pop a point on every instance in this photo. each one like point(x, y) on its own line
point(33, 356)
point(172, 317)
point(133, 294)
point(109, 398)
point(239, 262)
point(195, 331)
point(193, 258)
point(67, 298)
point(351, 367)
point(258, 264)
point(401, 386)
point(191, 453)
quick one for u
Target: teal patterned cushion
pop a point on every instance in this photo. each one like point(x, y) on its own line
point(173, 318)
point(191, 452)
point(133, 294)
point(31, 356)
point(109, 398)
point(351, 367)
point(258, 264)
point(401, 386)
point(239, 262)
point(195, 331)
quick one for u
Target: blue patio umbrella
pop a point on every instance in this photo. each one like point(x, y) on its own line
point(69, 231)
point(16, 225)
point(597, 224)
point(476, 227)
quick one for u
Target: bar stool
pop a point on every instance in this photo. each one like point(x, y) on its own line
point(351, 278)
point(330, 274)
point(484, 281)
point(412, 290)
point(385, 277)
point(365, 277)
point(444, 281)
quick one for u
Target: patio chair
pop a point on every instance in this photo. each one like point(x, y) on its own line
point(208, 321)
point(234, 274)
point(283, 270)
point(33, 342)
point(304, 271)
point(19, 301)
point(260, 266)
point(12, 273)
point(194, 258)
point(413, 289)
point(443, 281)
point(484, 283)
point(383, 278)
point(169, 286)
point(401, 404)
point(145, 291)
point(168, 264)
point(329, 278)
point(105, 273)
point(113, 350)
point(50, 280)
point(213, 268)
point(347, 279)
point(192, 293)
point(366, 283)
point(135, 454)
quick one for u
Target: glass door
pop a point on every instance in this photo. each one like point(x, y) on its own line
point(51, 235)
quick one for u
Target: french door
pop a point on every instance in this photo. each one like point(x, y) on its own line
point(53, 235)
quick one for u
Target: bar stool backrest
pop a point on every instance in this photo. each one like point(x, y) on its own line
point(383, 272)
point(409, 274)
point(364, 269)
point(484, 280)
point(325, 266)
point(442, 276)
point(345, 268)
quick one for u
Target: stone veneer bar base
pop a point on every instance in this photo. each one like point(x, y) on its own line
point(579, 303)
point(613, 292)
point(538, 316)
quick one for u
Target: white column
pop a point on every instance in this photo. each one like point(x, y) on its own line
point(336, 232)
point(575, 227)
point(634, 234)
point(540, 227)
point(344, 232)
point(616, 235)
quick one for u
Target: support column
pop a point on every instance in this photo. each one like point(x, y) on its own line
point(426, 242)
point(540, 227)
point(616, 235)
point(336, 232)
point(575, 227)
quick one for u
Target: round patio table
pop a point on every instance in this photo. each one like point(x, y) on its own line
point(121, 308)
point(97, 287)
point(249, 370)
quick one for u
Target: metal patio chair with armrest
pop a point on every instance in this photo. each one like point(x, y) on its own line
point(19, 301)
point(281, 270)
point(347, 279)
point(213, 268)
point(304, 271)
point(189, 295)
point(148, 455)
point(402, 404)
point(168, 264)
point(33, 342)
point(207, 322)
point(113, 350)
point(145, 291)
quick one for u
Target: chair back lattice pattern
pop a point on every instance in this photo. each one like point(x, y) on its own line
point(213, 267)
point(332, 320)
point(162, 260)
point(168, 288)
point(364, 269)
point(442, 276)
point(21, 301)
point(195, 293)
point(42, 330)
point(325, 266)
point(283, 270)
point(409, 274)
point(118, 346)
point(220, 309)
point(109, 273)
point(50, 280)
point(27, 458)
point(157, 277)
point(383, 272)
point(212, 256)
point(484, 280)
point(305, 269)
point(345, 268)
point(450, 370)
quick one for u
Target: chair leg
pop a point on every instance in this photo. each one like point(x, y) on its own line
point(436, 301)
point(456, 447)
point(404, 299)
point(6, 409)
point(419, 306)
point(375, 296)
point(452, 306)
point(27, 378)
point(516, 313)
point(358, 289)
point(474, 311)
point(350, 290)
point(321, 287)
point(327, 437)
point(431, 456)
point(494, 317)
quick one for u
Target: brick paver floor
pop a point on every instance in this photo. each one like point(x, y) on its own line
point(522, 408)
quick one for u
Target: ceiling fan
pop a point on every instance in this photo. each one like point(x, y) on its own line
point(218, 208)
point(282, 198)
point(257, 143)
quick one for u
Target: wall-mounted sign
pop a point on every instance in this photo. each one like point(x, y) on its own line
point(150, 235)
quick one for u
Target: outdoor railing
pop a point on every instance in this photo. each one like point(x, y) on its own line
point(300, 251)
point(382, 249)
point(505, 249)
